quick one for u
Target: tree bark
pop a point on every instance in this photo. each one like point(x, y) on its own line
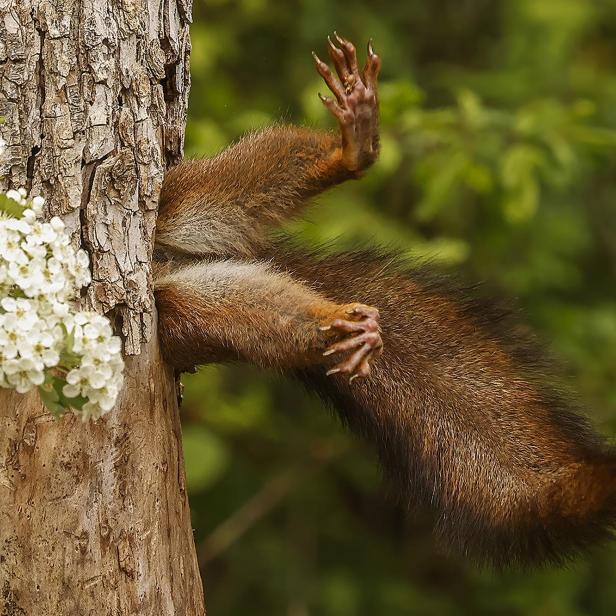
point(94, 517)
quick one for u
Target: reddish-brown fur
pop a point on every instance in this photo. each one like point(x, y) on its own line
point(465, 415)
point(232, 198)
point(460, 405)
point(231, 310)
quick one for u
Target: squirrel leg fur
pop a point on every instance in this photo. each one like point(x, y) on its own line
point(225, 205)
point(232, 310)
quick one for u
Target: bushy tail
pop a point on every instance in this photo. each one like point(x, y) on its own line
point(464, 417)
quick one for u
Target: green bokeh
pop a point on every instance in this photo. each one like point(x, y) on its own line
point(499, 159)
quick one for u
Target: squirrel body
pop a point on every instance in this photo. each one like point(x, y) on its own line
point(453, 394)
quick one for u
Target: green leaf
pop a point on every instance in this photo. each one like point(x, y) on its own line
point(50, 398)
point(75, 403)
point(10, 207)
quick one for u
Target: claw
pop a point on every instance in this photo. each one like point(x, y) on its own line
point(371, 68)
point(365, 311)
point(329, 78)
point(369, 337)
point(355, 102)
point(339, 60)
point(331, 44)
point(333, 107)
point(346, 45)
point(364, 367)
point(358, 341)
point(349, 53)
point(340, 39)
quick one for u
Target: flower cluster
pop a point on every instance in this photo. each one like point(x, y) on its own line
point(71, 356)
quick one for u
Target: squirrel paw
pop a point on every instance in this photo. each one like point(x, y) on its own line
point(356, 106)
point(360, 336)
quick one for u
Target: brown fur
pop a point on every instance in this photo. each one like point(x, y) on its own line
point(460, 407)
point(263, 179)
point(465, 417)
point(228, 310)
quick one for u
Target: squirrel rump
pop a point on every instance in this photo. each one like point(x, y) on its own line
point(453, 394)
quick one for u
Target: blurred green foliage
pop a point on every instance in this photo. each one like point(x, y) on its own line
point(499, 159)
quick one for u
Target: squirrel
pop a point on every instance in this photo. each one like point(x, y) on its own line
point(462, 409)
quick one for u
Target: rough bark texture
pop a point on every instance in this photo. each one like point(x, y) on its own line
point(94, 518)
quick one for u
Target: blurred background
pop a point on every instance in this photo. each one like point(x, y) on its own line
point(499, 161)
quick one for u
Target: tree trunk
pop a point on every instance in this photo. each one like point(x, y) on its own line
point(94, 517)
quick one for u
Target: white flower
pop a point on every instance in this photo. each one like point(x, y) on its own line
point(54, 280)
point(60, 309)
point(63, 252)
point(57, 224)
point(85, 377)
point(44, 339)
point(37, 205)
point(91, 410)
point(41, 233)
point(34, 251)
point(28, 276)
point(104, 397)
point(101, 367)
point(9, 341)
point(19, 314)
point(81, 269)
point(23, 374)
point(42, 347)
point(15, 196)
point(10, 245)
point(17, 224)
